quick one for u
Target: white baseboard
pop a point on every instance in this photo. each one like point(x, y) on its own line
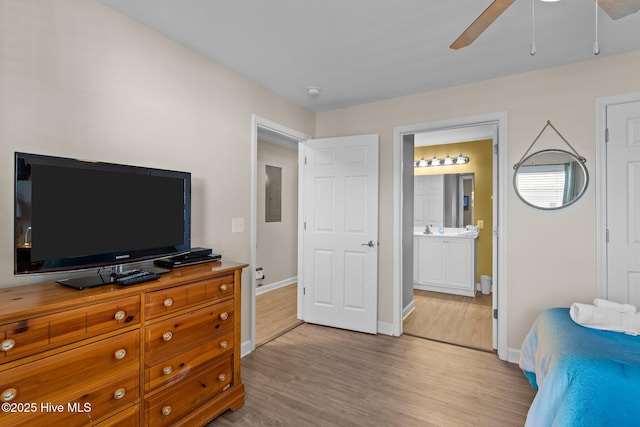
point(385, 328)
point(408, 309)
point(273, 286)
point(245, 348)
point(513, 355)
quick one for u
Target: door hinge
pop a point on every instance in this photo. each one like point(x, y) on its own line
point(606, 135)
point(495, 148)
point(495, 313)
point(607, 237)
point(304, 225)
point(304, 291)
point(305, 160)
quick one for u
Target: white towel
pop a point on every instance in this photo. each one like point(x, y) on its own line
point(615, 306)
point(604, 319)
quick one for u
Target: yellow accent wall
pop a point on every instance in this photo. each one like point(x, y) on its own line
point(480, 155)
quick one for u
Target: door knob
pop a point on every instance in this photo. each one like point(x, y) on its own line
point(369, 243)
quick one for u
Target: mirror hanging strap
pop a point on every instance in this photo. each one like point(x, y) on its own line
point(582, 159)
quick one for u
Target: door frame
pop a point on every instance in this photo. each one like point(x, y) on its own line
point(256, 123)
point(500, 218)
point(601, 185)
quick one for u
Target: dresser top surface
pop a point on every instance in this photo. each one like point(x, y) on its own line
point(40, 298)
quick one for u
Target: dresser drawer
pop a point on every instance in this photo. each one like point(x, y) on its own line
point(167, 407)
point(103, 375)
point(177, 367)
point(30, 336)
point(170, 337)
point(169, 300)
point(127, 418)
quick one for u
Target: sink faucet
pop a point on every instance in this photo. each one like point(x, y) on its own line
point(426, 230)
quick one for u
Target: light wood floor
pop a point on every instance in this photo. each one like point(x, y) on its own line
point(319, 376)
point(276, 312)
point(452, 319)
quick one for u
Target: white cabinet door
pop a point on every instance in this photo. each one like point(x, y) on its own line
point(431, 261)
point(445, 265)
point(458, 263)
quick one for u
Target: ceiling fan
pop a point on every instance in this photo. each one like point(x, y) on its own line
point(616, 9)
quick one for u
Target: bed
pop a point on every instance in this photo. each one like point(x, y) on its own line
point(583, 377)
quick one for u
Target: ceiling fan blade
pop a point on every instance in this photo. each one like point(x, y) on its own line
point(617, 9)
point(483, 21)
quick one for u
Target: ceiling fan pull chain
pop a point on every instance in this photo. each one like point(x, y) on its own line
point(532, 48)
point(596, 46)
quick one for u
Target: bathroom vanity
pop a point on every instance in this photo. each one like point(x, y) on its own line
point(445, 262)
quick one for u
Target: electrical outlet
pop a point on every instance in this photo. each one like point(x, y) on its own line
point(480, 224)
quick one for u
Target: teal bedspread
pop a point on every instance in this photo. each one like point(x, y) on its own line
point(584, 377)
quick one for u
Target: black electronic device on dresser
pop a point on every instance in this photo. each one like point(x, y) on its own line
point(195, 256)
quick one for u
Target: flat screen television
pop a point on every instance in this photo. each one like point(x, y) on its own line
point(74, 214)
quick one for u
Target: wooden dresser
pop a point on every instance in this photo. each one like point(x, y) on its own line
point(160, 353)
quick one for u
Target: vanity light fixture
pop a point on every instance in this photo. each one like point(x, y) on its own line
point(462, 160)
point(447, 161)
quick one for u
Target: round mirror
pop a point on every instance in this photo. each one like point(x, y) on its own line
point(550, 179)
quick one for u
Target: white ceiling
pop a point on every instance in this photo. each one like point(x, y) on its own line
point(360, 51)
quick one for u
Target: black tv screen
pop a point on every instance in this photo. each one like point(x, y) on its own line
point(74, 214)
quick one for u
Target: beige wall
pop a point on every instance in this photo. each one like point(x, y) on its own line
point(277, 242)
point(78, 79)
point(551, 255)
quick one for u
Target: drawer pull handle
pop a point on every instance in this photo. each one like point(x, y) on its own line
point(222, 378)
point(119, 393)
point(224, 315)
point(9, 394)
point(166, 410)
point(8, 344)
point(167, 370)
point(167, 336)
point(224, 287)
point(120, 315)
point(224, 344)
point(168, 302)
point(120, 354)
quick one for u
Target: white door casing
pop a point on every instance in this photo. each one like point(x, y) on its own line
point(623, 202)
point(340, 232)
point(499, 124)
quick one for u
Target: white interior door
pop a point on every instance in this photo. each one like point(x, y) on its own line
point(340, 232)
point(623, 203)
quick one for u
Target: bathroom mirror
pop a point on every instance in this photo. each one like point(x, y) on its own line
point(443, 199)
point(550, 179)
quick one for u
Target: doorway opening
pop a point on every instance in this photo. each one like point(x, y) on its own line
point(274, 231)
point(452, 237)
point(490, 126)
